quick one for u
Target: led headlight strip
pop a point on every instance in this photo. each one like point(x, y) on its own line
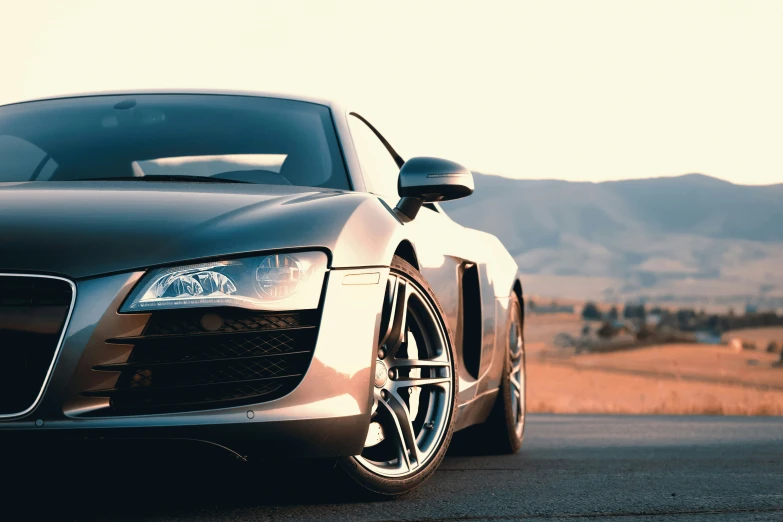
point(287, 281)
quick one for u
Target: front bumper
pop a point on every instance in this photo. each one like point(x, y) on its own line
point(326, 415)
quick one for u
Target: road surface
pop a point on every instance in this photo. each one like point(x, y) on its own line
point(571, 467)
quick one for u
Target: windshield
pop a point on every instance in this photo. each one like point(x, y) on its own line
point(172, 137)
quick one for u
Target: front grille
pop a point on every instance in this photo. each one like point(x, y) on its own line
point(207, 358)
point(33, 313)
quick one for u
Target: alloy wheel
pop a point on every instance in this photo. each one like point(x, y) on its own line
point(414, 384)
point(517, 374)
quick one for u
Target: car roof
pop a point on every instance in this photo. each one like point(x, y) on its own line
point(225, 92)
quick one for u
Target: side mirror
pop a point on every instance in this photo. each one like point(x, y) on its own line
point(426, 180)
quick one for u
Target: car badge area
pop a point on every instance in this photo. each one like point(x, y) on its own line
point(381, 374)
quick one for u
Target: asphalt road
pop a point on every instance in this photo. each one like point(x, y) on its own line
point(570, 468)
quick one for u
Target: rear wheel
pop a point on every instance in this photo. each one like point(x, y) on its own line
point(504, 430)
point(414, 388)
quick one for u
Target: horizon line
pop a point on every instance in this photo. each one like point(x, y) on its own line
point(673, 176)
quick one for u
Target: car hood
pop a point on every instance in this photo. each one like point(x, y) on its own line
point(84, 229)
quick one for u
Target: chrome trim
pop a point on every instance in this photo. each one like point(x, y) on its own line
point(59, 342)
point(366, 278)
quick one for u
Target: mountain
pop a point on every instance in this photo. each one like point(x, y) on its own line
point(691, 238)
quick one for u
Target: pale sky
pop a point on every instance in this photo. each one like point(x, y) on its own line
point(580, 90)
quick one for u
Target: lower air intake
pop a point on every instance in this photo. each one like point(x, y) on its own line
point(200, 359)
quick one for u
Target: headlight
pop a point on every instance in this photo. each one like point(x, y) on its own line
point(273, 282)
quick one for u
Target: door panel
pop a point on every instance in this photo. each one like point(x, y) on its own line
point(443, 256)
point(493, 367)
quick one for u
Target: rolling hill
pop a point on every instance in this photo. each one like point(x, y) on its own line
point(687, 238)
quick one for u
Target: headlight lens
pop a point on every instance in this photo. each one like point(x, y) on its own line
point(279, 276)
point(273, 282)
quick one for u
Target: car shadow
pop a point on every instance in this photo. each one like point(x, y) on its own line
point(161, 483)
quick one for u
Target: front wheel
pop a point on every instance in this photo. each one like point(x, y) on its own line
point(414, 390)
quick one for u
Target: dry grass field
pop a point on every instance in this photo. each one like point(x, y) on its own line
point(675, 379)
point(690, 362)
point(555, 388)
point(761, 337)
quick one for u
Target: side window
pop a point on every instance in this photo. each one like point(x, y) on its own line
point(23, 161)
point(378, 166)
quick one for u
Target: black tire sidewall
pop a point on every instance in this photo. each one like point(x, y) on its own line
point(514, 442)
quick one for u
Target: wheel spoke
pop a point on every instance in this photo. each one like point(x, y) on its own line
point(407, 382)
point(516, 390)
point(513, 340)
point(389, 304)
point(404, 426)
point(398, 430)
point(417, 363)
point(397, 329)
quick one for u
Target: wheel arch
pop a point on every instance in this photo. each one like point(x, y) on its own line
point(517, 289)
point(406, 251)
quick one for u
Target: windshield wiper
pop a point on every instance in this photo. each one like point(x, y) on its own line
point(165, 177)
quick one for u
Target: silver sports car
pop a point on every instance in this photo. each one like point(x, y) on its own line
point(264, 273)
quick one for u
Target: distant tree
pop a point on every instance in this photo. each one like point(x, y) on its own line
point(686, 319)
point(634, 311)
point(606, 331)
point(614, 314)
point(644, 333)
point(590, 312)
point(714, 323)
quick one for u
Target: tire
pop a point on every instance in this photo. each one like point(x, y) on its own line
point(504, 430)
point(392, 466)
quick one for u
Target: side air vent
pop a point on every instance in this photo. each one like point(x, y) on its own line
point(470, 312)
